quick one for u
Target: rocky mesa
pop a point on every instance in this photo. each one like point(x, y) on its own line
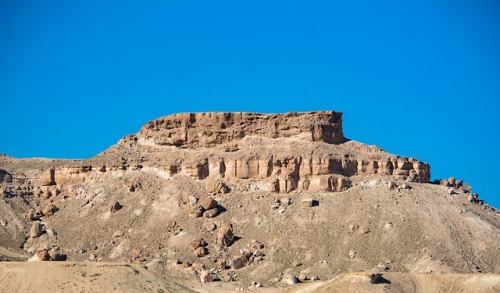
point(239, 198)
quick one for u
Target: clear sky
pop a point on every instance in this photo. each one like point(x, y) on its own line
point(417, 78)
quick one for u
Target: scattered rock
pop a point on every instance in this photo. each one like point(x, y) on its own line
point(33, 215)
point(192, 200)
point(352, 254)
point(36, 230)
point(365, 230)
point(227, 278)
point(196, 212)
point(200, 251)
point(237, 263)
point(215, 186)
point(378, 279)
point(353, 227)
point(255, 285)
point(392, 185)
point(198, 243)
point(225, 236)
point(50, 209)
point(207, 203)
point(212, 213)
point(205, 276)
point(116, 206)
point(406, 186)
point(256, 246)
point(43, 255)
point(303, 277)
point(289, 279)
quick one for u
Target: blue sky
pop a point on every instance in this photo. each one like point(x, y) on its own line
point(417, 78)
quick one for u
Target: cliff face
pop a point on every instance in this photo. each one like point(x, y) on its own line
point(273, 152)
point(193, 130)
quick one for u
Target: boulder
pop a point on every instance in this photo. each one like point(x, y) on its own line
point(116, 206)
point(289, 279)
point(215, 186)
point(33, 214)
point(200, 251)
point(207, 203)
point(212, 213)
point(238, 262)
point(49, 209)
point(36, 230)
point(43, 255)
point(196, 212)
point(197, 243)
point(225, 236)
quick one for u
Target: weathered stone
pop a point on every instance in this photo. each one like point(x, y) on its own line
point(47, 178)
point(207, 203)
point(192, 200)
point(256, 246)
point(225, 235)
point(227, 278)
point(36, 230)
point(200, 251)
point(197, 243)
point(212, 213)
point(238, 262)
point(196, 211)
point(43, 255)
point(205, 129)
point(365, 230)
point(221, 264)
point(216, 186)
point(33, 214)
point(50, 209)
point(205, 276)
point(289, 279)
point(116, 206)
point(303, 277)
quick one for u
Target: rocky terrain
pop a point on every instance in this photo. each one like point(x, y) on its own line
point(245, 200)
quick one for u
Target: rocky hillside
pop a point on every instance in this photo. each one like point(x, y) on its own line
point(239, 197)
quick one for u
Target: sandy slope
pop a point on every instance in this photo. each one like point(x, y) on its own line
point(116, 277)
point(405, 282)
point(81, 277)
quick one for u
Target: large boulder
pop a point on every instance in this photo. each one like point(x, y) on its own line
point(36, 230)
point(207, 203)
point(225, 236)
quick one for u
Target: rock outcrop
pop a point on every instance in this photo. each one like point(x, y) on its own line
point(192, 130)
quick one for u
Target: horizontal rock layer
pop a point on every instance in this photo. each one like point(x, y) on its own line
point(193, 130)
point(280, 174)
